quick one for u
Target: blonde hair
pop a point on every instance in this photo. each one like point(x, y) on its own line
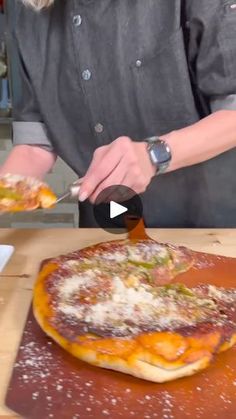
point(38, 4)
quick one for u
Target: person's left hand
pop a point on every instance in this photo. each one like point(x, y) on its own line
point(123, 162)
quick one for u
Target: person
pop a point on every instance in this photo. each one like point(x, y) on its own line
point(100, 77)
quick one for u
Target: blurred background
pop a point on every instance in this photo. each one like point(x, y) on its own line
point(66, 213)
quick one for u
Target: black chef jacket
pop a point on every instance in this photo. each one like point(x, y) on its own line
point(94, 70)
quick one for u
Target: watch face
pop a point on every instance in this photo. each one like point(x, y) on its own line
point(160, 153)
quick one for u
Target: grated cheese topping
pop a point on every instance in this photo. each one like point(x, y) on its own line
point(221, 294)
point(144, 252)
point(74, 283)
point(133, 308)
point(125, 300)
point(114, 257)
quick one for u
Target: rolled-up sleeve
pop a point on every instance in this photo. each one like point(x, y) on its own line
point(31, 133)
point(223, 102)
point(212, 50)
point(28, 126)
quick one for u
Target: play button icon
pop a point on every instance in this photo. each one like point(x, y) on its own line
point(116, 209)
point(116, 205)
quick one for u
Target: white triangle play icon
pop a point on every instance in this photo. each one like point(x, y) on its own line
point(116, 209)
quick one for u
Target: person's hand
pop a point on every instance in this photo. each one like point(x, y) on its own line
point(123, 162)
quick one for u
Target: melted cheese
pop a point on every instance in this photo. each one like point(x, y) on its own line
point(10, 180)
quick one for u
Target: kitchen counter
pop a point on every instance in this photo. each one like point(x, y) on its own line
point(32, 246)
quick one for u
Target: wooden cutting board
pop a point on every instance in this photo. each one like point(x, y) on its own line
point(49, 383)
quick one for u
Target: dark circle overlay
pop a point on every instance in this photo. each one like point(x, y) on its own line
point(122, 223)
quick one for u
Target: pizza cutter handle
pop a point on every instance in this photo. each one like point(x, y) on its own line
point(136, 230)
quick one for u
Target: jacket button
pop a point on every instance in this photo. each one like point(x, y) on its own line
point(77, 20)
point(86, 75)
point(138, 63)
point(99, 128)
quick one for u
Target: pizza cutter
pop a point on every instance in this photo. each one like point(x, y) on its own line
point(71, 191)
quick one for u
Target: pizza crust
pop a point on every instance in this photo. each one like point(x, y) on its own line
point(141, 364)
point(135, 365)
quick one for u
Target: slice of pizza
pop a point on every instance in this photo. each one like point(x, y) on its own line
point(113, 305)
point(20, 193)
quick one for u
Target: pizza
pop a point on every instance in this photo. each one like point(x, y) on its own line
point(20, 193)
point(115, 305)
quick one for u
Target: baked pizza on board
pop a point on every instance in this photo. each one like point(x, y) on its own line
point(20, 193)
point(119, 305)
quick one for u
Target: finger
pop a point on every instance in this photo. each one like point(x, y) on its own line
point(123, 175)
point(117, 196)
point(136, 183)
point(115, 178)
point(123, 192)
point(102, 166)
point(97, 155)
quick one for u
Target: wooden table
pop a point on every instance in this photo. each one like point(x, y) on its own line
point(32, 246)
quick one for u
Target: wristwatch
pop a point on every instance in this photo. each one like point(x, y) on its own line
point(159, 153)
